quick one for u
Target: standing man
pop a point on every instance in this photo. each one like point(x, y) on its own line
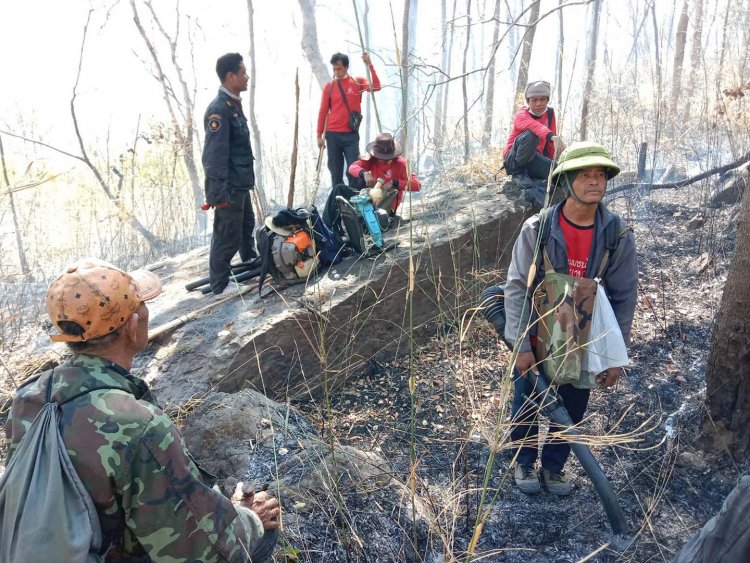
point(341, 98)
point(533, 143)
point(580, 228)
point(228, 166)
point(132, 461)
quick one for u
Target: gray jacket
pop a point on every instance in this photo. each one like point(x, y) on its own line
point(620, 278)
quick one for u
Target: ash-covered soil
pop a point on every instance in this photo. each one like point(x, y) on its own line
point(643, 431)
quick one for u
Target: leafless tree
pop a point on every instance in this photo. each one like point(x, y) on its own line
point(590, 66)
point(310, 42)
point(679, 56)
point(441, 98)
point(490, 97)
point(262, 203)
point(727, 415)
point(408, 39)
point(560, 53)
point(528, 44)
point(695, 50)
point(463, 83)
point(23, 262)
point(183, 127)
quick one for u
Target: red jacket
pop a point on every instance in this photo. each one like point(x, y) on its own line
point(544, 127)
point(395, 170)
point(338, 121)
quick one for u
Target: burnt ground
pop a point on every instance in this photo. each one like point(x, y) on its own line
point(644, 431)
point(667, 487)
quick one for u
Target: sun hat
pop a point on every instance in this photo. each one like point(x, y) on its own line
point(585, 154)
point(384, 147)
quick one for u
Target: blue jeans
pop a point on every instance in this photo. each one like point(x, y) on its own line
point(525, 424)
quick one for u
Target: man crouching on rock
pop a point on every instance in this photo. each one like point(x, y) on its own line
point(584, 241)
point(151, 503)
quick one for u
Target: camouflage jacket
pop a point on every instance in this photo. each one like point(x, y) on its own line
point(151, 502)
point(620, 279)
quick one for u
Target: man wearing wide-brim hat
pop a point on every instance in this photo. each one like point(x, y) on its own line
point(147, 492)
point(584, 240)
point(382, 161)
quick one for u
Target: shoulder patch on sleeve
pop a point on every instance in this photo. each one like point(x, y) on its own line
point(214, 122)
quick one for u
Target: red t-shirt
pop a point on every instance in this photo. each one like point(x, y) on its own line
point(331, 100)
point(578, 245)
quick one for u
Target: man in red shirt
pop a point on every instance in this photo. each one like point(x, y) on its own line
point(341, 97)
point(533, 142)
point(382, 161)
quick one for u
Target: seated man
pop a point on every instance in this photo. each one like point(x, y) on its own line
point(383, 161)
point(146, 489)
point(533, 143)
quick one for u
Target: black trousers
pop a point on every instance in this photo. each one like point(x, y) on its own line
point(233, 231)
point(525, 426)
point(343, 149)
point(524, 158)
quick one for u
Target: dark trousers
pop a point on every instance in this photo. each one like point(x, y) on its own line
point(524, 158)
point(525, 424)
point(233, 231)
point(343, 149)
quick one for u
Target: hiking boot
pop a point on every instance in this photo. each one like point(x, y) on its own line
point(526, 479)
point(557, 483)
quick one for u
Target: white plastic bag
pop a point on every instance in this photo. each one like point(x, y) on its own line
point(606, 346)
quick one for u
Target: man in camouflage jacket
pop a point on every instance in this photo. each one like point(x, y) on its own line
point(151, 502)
point(575, 246)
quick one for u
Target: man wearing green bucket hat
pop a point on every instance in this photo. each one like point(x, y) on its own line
point(582, 241)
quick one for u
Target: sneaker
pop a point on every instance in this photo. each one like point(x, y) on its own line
point(557, 483)
point(526, 479)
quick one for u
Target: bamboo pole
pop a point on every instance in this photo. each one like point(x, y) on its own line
point(295, 143)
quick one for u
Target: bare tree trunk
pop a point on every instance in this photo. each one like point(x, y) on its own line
point(258, 148)
point(16, 227)
point(184, 138)
point(368, 99)
point(295, 144)
point(657, 53)
point(559, 62)
point(728, 370)
point(695, 52)
point(463, 83)
point(310, 42)
point(441, 111)
point(679, 56)
point(407, 43)
point(490, 103)
point(528, 44)
point(590, 67)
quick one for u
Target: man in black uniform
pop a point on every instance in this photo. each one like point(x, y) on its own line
point(228, 166)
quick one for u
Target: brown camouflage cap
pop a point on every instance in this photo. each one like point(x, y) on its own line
point(98, 296)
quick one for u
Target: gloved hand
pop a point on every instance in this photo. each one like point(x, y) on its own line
point(206, 206)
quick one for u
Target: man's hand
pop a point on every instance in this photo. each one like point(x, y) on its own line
point(321, 142)
point(369, 179)
point(609, 377)
point(366, 58)
point(524, 362)
point(266, 507)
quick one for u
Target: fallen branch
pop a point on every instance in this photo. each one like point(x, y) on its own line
point(683, 183)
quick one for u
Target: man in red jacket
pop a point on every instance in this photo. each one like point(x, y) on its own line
point(342, 96)
point(533, 143)
point(382, 161)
